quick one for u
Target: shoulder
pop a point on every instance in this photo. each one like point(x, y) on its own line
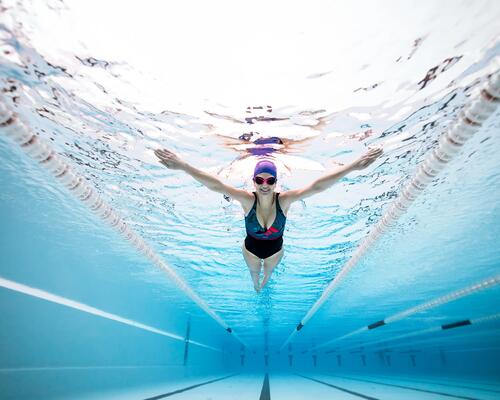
point(291, 196)
point(244, 197)
point(285, 200)
point(288, 197)
point(247, 202)
point(298, 194)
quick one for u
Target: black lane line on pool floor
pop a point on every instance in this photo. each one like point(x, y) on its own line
point(410, 388)
point(265, 393)
point(161, 396)
point(450, 385)
point(364, 396)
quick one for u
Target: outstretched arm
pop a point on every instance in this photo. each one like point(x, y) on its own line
point(172, 161)
point(328, 180)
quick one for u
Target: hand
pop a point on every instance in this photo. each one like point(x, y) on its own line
point(369, 157)
point(169, 159)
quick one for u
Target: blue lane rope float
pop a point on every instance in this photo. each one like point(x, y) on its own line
point(450, 143)
point(456, 324)
point(42, 152)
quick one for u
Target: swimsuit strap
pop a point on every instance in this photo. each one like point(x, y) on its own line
point(254, 207)
point(278, 207)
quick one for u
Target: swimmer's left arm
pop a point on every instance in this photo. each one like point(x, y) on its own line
point(318, 186)
point(328, 180)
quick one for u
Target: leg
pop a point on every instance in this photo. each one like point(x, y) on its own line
point(254, 265)
point(269, 265)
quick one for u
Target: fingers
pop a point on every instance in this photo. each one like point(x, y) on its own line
point(168, 159)
point(165, 157)
point(164, 154)
point(369, 157)
point(163, 151)
point(158, 153)
point(376, 151)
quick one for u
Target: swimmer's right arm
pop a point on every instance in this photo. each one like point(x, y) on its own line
point(172, 161)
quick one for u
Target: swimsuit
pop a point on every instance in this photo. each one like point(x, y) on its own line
point(259, 241)
point(268, 140)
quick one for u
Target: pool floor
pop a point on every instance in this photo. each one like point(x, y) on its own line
point(268, 386)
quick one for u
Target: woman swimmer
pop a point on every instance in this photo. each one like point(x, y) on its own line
point(265, 215)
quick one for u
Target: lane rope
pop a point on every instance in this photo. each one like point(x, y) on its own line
point(41, 151)
point(439, 301)
point(450, 143)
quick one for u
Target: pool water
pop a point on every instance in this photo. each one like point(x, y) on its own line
point(170, 310)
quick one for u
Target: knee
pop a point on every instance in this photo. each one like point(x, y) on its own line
point(269, 266)
point(267, 272)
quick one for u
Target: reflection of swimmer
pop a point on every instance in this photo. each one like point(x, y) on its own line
point(266, 118)
point(252, 144)
point(265, 210)
point(251, 120)
point(361, 135)
point(268, 140)
point(261, 146)
point(249, 146)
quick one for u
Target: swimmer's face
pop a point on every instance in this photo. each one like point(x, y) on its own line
point(264, 182)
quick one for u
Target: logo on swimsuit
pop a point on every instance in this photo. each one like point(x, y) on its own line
point(270, 231)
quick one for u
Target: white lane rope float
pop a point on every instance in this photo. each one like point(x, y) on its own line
point(450, 143)
point(53, 298)
point(41, 151)
point(439, 301)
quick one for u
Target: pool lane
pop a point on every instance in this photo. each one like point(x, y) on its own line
point(187, 388)
point(342, 388)
point(375, 389)
point(172, 388)
point(293, 387)
point(475, 385)
point(264, 386)
point(241, 387)
point(420, 389)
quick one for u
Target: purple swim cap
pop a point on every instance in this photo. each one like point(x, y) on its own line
point(265, 166)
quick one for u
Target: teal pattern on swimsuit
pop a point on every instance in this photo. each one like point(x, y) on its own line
point(257, 231)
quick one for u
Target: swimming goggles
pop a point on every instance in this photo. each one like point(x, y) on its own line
point(259, 180)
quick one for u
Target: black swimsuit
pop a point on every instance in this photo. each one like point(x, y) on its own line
point(259, 241)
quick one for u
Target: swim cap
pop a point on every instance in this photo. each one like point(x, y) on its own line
point(265, 166)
